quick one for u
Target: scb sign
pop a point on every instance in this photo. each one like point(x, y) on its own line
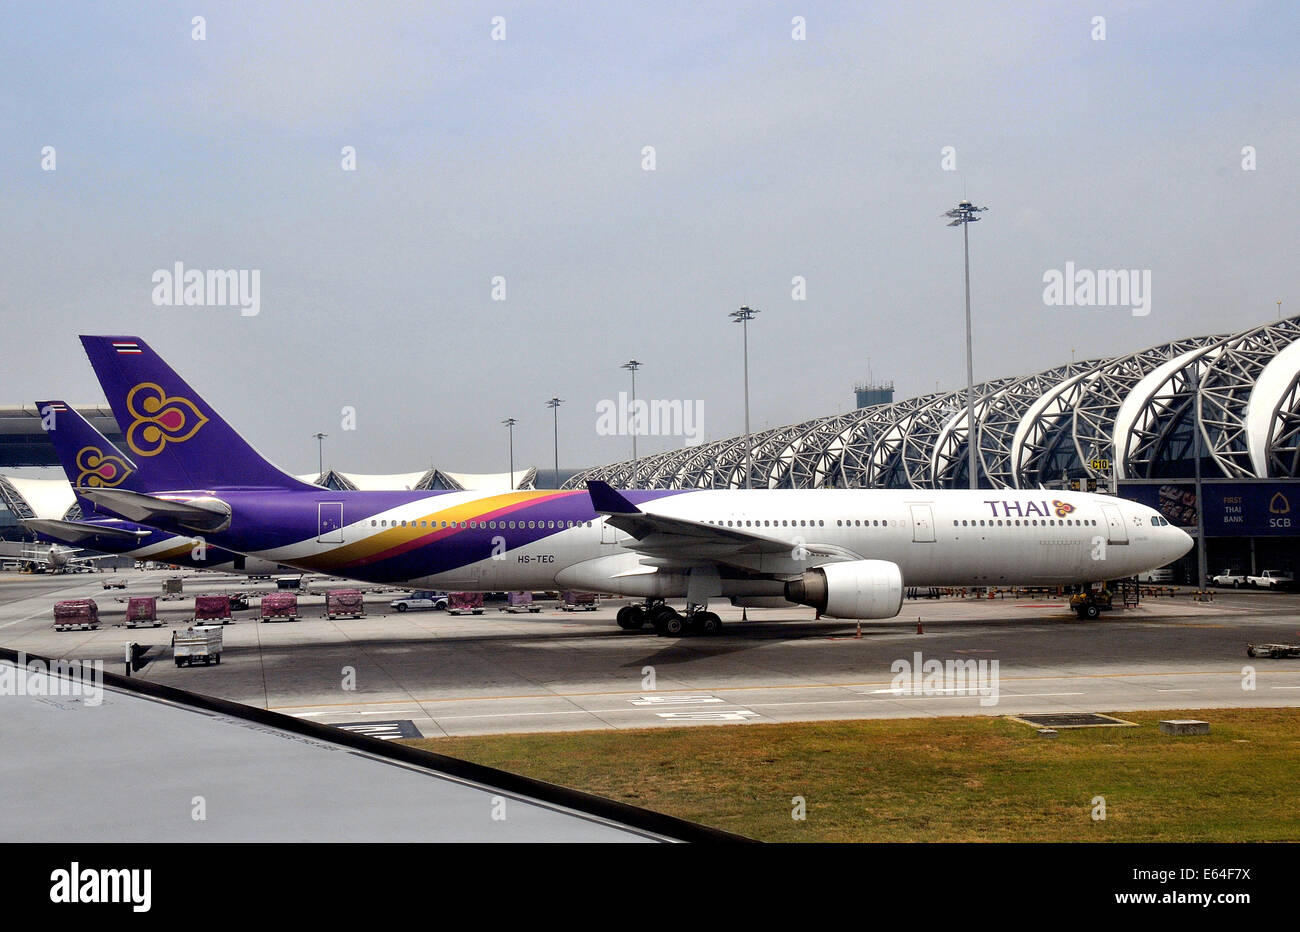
point(1238, 509)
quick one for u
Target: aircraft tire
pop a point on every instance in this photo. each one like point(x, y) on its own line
point(708, 623)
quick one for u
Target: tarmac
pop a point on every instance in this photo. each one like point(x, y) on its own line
point(429, 674)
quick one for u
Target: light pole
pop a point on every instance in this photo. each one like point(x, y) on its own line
point(633, 365)
point(320, 453)
point(743, 317)
point(510, 425)
point(554, 405)
point(1195, 383)
point(963, 215)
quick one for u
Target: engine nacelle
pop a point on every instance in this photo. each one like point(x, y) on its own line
point(857, 589)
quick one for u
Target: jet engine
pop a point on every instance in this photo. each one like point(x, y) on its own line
point(857, 589)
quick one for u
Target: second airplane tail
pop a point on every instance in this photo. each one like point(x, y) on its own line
point(176, 440)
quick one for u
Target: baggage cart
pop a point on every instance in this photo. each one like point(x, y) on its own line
point(280, 606)
point(212, 608)
point(76, 614)
point(465, 603)
point(580, 602)
point(142, 612)
point(519, 602)
point(340, 603)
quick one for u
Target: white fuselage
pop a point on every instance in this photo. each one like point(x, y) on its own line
point(937, 538)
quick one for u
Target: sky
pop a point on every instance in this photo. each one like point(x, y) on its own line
point(805, 177)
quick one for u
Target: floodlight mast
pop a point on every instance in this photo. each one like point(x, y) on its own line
point(963, 215)
point(743, 316)
point(510, 426)
point(633, 365)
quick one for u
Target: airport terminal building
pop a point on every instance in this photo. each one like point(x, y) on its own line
point(1124, 424)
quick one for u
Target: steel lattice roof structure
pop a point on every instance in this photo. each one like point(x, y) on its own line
point(1137, 411)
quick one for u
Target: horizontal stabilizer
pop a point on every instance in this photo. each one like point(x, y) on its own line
point(79, 530)
point(203, 513)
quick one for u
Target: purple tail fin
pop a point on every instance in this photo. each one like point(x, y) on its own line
point(172, 435)
point(88, 457)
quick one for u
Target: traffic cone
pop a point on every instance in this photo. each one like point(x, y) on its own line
point(919, 629)
point(859, 634)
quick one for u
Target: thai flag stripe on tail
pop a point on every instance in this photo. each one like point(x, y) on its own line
point(127, 348)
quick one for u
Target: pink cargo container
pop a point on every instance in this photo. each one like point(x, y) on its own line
point(281, 605)
point(211, 608)
point(520, 602)
point(460, 603)
point(339, 602)
point(142, 611)
point(580, 602)
point(76, 613)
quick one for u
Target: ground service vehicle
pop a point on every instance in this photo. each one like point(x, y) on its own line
point(1271, 579)
point(199, 643)
point(421, 600)
point(1092, 603)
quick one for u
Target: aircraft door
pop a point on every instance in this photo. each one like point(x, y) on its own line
point(922, 524)
point(329, 522)
point(1116, 532)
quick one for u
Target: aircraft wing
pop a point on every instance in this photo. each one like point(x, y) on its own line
point(73, 531)
point(668, 540)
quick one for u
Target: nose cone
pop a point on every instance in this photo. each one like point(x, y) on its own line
point(1182, 543)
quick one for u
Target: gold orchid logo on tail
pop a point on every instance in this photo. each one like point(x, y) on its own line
point(159, 419)
point(98, 471)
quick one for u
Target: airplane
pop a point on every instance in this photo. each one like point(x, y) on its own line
point(57, 558)
point(90, 460)
point(849, 553)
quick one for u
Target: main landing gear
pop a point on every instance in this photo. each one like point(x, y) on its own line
point(667, 621)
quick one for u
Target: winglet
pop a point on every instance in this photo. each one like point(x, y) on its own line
point(606, 501)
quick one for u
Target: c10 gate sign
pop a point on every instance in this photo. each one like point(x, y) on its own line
point(1232, 509)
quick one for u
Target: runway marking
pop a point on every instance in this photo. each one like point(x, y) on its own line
point(972, 694)
point(737, 715)
point(674, 700)
point(358, 712)
point(785, 686)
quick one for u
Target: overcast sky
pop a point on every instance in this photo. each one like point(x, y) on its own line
point(523, 158)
